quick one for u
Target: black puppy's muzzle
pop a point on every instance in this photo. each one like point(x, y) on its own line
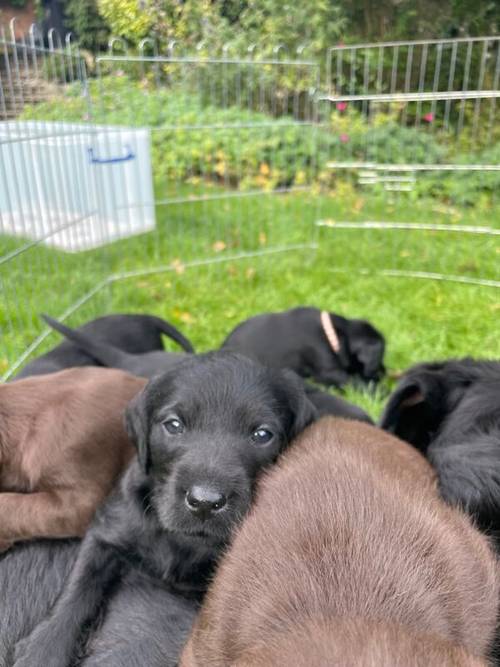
point(204, 501)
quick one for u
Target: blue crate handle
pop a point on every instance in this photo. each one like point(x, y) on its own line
point(111, 160)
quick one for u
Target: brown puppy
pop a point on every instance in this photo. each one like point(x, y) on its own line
point(62, 445)
point(350, 558)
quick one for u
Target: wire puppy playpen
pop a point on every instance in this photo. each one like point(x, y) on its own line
point(129, 168)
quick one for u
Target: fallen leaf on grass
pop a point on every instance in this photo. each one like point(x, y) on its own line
point(178, 266)
point(250, 272)
point(468, 267)
point(186, 317)
point(262, 238)
point(218, 246)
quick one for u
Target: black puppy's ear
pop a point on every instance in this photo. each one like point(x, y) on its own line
point(137, 426)
point(416, 409)
point(303, 410)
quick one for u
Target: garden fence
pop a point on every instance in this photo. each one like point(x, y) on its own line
point(120, 166)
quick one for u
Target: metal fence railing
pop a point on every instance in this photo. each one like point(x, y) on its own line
point(134, 164)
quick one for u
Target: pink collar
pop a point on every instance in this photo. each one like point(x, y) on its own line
point(330, 333)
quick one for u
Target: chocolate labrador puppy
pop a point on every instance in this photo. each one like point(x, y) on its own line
point(62, 446)
point(204, 431)
point(134, 334)
point(326, 347)
point(349, 557)
point(450, 411)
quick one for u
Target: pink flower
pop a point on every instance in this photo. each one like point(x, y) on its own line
point(341, 106)
point(344, 138)
point(429, 117)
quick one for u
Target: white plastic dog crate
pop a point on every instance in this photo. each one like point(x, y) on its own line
point(75, 186)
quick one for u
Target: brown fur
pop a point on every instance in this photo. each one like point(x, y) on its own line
point(62, 445)
point(350, 558)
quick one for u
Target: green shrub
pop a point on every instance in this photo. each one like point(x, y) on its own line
point(195, 142)
point(191, 140)
point(466, 188)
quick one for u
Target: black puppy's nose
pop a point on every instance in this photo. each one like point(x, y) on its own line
point(203, 501)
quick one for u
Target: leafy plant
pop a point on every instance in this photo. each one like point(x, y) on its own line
point(84, 20)
point(195, 142)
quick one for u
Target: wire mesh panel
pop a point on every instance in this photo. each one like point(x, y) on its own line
point(130, 168)
point(414, 129)
point(225, 138)
point(163, 180)
point(44, 196)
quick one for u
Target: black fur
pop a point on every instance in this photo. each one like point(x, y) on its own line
point(223, 400)
point(451, 412)
point(295, 339)
point(135, 334)
point(145, 625)
point(32, 575)
point(146, 364)
point(335, 406)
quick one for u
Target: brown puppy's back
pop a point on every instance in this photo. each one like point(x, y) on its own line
point(62, 436)
point(348, 546)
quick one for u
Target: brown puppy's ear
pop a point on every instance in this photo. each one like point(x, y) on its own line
point(137, 426)
point(302, 409)
point(416, 409)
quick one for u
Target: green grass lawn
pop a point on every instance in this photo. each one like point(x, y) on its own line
point(421, 319)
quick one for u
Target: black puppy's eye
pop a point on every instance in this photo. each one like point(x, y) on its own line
point(173, 426)
point(262, 436)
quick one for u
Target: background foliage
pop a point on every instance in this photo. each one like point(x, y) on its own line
point(246, 149)
point(320, 23)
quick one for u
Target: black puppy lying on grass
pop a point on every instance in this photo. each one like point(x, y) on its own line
point(450, 411)
point(133, 334)
point(144, 364)
point(326, 347)
point(203, 431)
point(150, 364)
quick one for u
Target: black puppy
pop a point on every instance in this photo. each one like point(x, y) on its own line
point(144, 623)
point(328, 348)
point(203, 431)
point(450, 411)
point(32, 575)
point(147, 364)
point(150, 364)
point(135, 334)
